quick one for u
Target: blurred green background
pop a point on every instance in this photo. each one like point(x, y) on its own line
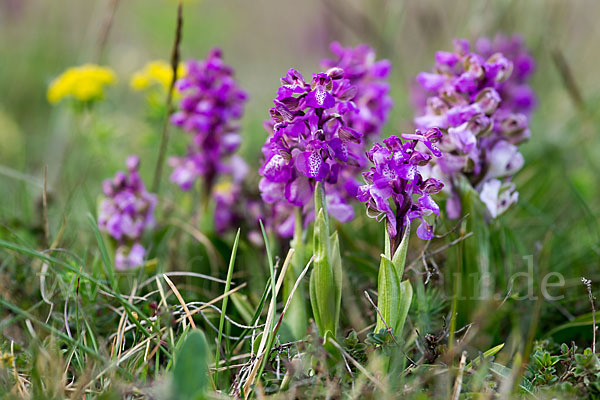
point(261, 39)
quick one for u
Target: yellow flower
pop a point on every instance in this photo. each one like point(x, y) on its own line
point(156, 74)
point(6, 360)
point(223, 188)
point(84, 83)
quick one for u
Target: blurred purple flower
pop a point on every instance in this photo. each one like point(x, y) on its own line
point(518, 98)
point(209, 109)
point(481, 102)
point(126, 213)
point(395, 189)
point(369, 78)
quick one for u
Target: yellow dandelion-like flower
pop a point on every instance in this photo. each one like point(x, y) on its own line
point(83, 83)
point(155, 74)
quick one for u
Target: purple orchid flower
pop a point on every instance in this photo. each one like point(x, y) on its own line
point(481, 102)
point(126, 213)
point(395, 189)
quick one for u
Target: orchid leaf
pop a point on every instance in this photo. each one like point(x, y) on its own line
point(389, 295)
point(326, 277)
point(323, 293)
point(336, 266)
point(406, 294)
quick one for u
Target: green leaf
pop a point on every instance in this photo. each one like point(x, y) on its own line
point(395, 296)
point(406, 294)
point(387, 249)
point(336, 266)
point(334, 352)
point(388, 300)
point(313, 300)
point(326, 277)
point(296, 315)
point(190, 371)
point(472, 278)
point(323, 294)
point(320, 201)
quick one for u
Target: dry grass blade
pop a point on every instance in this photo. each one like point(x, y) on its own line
point(459, 377)
point(268, 324)
point(294, 288)
point(181, 301)
point(124, 320)
point(105, 30)
point(182, 273)
point(568, 78)
point(588, 284)
point(213, 301)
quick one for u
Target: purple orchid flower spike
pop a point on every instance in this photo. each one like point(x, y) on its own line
point(396, 190)
point(211, 105)
point(481, 103)
point(209, 109)
point(320, 129)
point(126, 213)
point(310, 142)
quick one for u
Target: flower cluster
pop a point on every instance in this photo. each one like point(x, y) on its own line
point(209, 109)
point(155, 75)
point(310, 142)
point(126, 213)
point(372, 89)
point(84, 83)
point(395, 189)
point(372, 100)
point(481, 131)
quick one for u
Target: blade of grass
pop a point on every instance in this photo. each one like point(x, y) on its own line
point(181, 301)
point(128, 307)
point(257, 314)
point(270, 319)
point(225, 301)
point(266, 347)
point(25, 314)
point(103, 252)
